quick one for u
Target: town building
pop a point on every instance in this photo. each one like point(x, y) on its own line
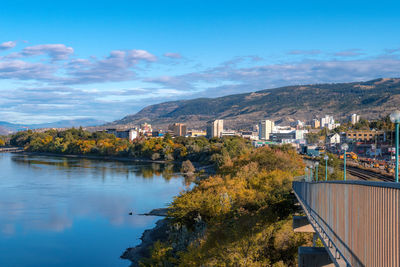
point(177, 129)
point(145, 128)
point(157, 133)
point(265, 128)
point(298, 124)
point(215, 128)
point(354, 118)
point(283, 138)
point(315, 124)
point(249, 135)
point(130, 134)
point(333, 139)
point(366, 136)
point(329, 122)
point(230, 133)
point(259, 143)
point(196, 133)
point(300, 134)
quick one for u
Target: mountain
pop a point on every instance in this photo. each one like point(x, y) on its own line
point(371, 99)
point(7, 128)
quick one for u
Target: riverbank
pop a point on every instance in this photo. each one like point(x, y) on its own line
point(208, 169)
point(11, 149)
point(148, 238)
point(164, 231)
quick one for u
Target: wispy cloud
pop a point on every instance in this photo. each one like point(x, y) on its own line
point(392, 50)
point(349, 53)
point(7, 45)
point(230, 79)
point(173, 55)
point(54, 51)
point(116, 67)
point(305, 52)
point(22, 70)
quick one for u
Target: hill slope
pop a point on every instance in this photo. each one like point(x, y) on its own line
point(371, 99)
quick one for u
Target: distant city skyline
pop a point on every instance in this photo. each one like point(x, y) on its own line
point(104, 60)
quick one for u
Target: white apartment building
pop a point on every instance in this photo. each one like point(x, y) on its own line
point(329, 122)
point(265, 127)
point(355, 118)
point(215, 128)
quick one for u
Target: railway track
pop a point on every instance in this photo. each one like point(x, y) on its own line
point(368, 175)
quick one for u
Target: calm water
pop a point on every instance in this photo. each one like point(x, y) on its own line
point(57, 211)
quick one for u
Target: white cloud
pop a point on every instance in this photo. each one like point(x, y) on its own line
point(7, 45)
point(54, 51)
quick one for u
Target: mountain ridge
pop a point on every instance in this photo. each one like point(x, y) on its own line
point(371, 99)
point(7, 127)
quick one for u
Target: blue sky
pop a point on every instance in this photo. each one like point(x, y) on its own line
point(106, 59)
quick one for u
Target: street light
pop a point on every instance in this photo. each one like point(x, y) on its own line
point(306, 172)
point(395, 118)
point(311, 172)
point(344, 147)
point(326, 167)
point(316, 171)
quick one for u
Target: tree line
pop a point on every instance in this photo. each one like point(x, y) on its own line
point(80, 142)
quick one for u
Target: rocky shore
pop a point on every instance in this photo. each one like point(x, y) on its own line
point(178, 235)
point(159, 232)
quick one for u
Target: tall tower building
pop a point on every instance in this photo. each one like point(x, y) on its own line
point(177, 129)
point(265, 127)
point(215, 128)
point(355, 118)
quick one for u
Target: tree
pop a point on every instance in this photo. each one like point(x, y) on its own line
point(312, 138)
point(187, 167)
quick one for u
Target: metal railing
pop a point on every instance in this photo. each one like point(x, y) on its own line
point(358, 220)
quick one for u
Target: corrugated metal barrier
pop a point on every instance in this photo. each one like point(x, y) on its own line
point(359, 220)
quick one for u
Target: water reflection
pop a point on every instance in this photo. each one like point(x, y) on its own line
point(60, 200)
point(145, 170)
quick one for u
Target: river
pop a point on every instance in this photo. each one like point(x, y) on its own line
point(58, 211)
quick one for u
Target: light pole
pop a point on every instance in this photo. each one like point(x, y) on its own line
point(395, 118)
point(311, 172)
point(344, 147)
point(316, 171)
point(306, 174)
point(326, 167)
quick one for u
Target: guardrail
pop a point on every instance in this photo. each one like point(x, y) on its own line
point(359, 221)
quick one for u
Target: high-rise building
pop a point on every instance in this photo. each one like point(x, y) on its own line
point(355, 118)
point(315, 124)
point(329, 122)
point(177, 129)
point(215, 128)
point(265, 127)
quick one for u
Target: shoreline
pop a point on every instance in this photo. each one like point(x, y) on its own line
point(208, 169)
point(126, 159)
point(159, 232)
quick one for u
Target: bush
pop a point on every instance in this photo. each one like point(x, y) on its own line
point(187, 167)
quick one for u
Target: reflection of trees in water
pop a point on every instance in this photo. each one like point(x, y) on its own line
point(102, 168)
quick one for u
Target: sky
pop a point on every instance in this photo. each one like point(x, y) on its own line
point(107, 59)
